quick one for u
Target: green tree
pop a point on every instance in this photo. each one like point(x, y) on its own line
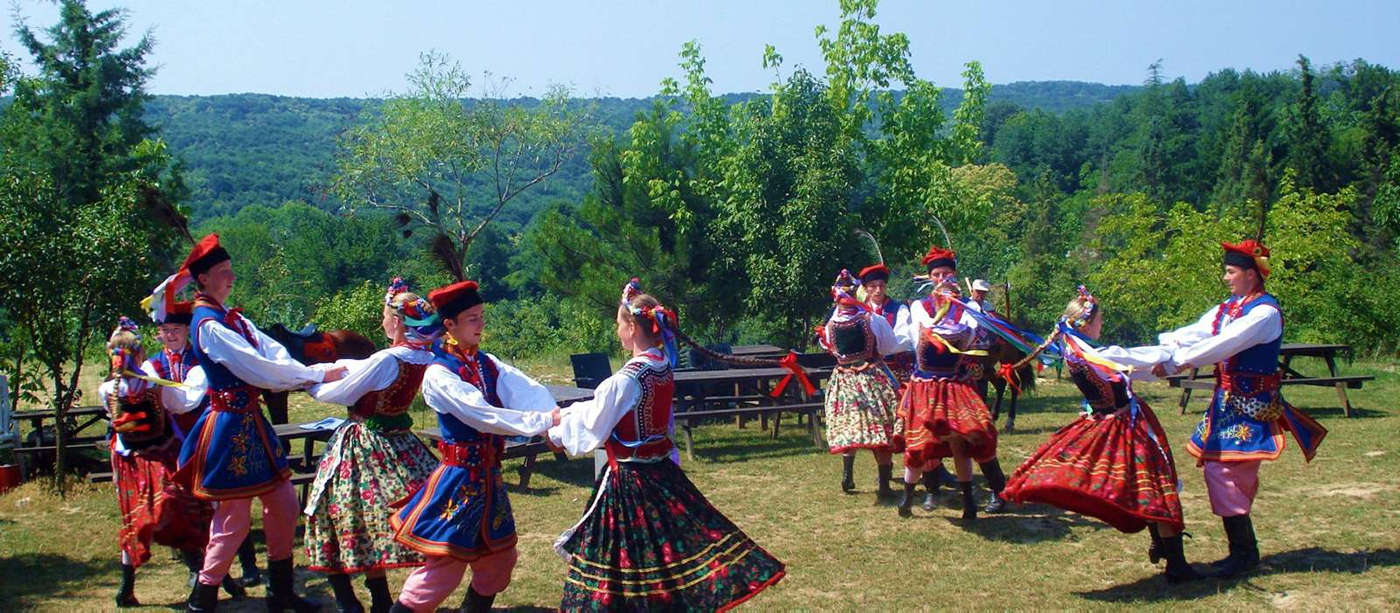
point(449, 165)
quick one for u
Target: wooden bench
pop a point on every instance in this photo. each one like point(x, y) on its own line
point(1342, 384)
point(686, 420)
point(1289, 376)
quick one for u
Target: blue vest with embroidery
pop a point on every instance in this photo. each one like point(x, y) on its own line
point(453, 430)
point(220, 377)
point(1261, 358)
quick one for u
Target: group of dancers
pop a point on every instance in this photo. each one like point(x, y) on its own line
point(192, 448)
point(907, 376)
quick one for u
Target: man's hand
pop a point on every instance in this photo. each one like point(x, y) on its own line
point(554, 417)
point(1159, 370)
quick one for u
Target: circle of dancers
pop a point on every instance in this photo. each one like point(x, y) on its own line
point(191, 446)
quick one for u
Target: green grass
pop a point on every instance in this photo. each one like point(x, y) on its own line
point(1327, 530)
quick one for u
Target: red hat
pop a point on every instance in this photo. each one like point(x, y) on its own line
point(877, 272)
point(938, 256)
point(1248, 253)
point(204, 256)
point(180, 313)
point(451, 300)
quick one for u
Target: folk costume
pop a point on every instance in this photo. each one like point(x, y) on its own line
point(145, 443)
point(371, 461)
point(941, 410)
point(861, 399)
point(232, 453)
point(896, 314)
point(1244, 424)
point(177, 366)
point(461, 516)
point(1113, 463)
point(649, 539)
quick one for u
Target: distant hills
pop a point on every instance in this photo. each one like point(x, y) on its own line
point(245, 149)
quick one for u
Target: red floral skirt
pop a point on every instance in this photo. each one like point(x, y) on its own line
point(1112, 467)
point(938, 411)
point(154, 507)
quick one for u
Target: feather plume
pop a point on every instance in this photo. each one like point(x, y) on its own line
point(874, 244)
point(162, 210)
point(446, 252)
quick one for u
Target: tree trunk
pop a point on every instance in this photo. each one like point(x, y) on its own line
point(60, 435)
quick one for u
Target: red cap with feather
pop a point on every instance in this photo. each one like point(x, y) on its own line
point(938, 256)
point(451, 300)
point(1248, 253)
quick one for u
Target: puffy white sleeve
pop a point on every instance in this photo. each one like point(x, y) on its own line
point(1193, 333)
point(448, 394)
point(521, 392)
point(1141, 359)
point(267, 366)
point(918, 319)
point(585, 426)
point(902, 322)
point(1260, 325)
point(374, 373)
point(189, 395)
point(886, 343)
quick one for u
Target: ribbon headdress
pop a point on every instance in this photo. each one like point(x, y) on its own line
point(422, 324)
point(843, 291)
point(661, 319)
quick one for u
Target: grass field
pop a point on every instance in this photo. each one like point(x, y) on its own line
point(1329, 531)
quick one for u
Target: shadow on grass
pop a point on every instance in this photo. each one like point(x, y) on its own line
point(1026, 524)
point(31, 579)
point(574, 471)
point(1356, 412)
point(1311, 559)
point(754, 447)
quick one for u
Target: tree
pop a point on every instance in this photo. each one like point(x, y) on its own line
point(78, 185)
point(449, 165)
point(1308, 138)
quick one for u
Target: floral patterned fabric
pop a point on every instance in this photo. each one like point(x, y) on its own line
point(1112, 467)
point(651, 541)
point(155, 508)
point(860, 410)
point(936, 410)
point(362, 473)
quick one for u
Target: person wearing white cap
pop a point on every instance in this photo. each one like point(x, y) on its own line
point(979, 296)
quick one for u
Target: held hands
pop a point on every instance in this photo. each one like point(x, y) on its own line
point(554, 417)
point(334, 373)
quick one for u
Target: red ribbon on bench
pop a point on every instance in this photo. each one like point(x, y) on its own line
point(794, 369)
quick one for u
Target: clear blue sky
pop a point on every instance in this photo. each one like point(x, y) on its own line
point(625, 47)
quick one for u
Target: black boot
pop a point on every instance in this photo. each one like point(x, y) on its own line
point(946, 478)
point(399, 608)
point(248, 560)
point(931, 486)
point(476, 603)
point(969, 504)
point(203, 599)
point(345, 600)
point(848, 478)
point(883, 493)
point(1244, 550)
point(1154, 551)
point(233, 588)
point(1178, 569)
point(126, 594)
point(380, 598)
point(996, 481)
point(281, 591)
point(907, 500)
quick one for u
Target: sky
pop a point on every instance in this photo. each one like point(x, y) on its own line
point(358, 48)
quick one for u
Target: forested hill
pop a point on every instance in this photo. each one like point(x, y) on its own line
point(243, 149)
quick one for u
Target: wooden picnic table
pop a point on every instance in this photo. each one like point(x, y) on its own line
point(1289, 375)
point(749, 392)
point(758, 351)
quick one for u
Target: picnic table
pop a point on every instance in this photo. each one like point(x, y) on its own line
point(758, 351)
point(749, 392)
point(1290, 376)
point(79, 419)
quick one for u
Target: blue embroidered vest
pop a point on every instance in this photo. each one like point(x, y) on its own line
point(1261, 358)
point(478, 370)
point(220, 377)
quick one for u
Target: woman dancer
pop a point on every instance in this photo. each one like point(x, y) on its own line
point(649, 540)
point(860, 397)
point(1113, 462)
point(373, 460)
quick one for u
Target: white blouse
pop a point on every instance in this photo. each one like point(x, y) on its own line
point(371, 374)
point(584, 426)
point(1195, 345)
point(267, 366)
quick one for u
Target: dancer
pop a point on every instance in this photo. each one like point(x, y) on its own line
point(1247, 415)
point(860, 397)
point(232, 454)
point(1113, 462)
point(649, 540)
point(145, 444)
point(461, 516)
point(373, 459)
point(942, 414)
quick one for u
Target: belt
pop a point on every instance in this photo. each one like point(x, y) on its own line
point(479, 454)
point(1255, 382)
point(240, 399)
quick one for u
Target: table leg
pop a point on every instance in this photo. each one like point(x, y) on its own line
point(306, 456)
point(689, 444)
point(526, 469)
point(1186, 391)
point(1341, 387)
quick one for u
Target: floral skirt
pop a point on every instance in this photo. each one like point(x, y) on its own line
point(155, 508)
point(937, 411)
point(860, 410)
point(650, 541)
point(362, 473)
point(1112, 467)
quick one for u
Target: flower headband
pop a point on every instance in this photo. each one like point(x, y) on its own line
point(125, 324)
point(1090, 305)
point(396, 287)
point(843, 290)
point(662, 319)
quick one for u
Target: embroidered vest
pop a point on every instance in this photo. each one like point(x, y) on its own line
point(1250, 378)
point(926, 355)
point(1102, 396)
point(138, 419)
point(643, 432)
point(389, 407)
point(851, 340)
point(478, 370)
point(220, 377)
